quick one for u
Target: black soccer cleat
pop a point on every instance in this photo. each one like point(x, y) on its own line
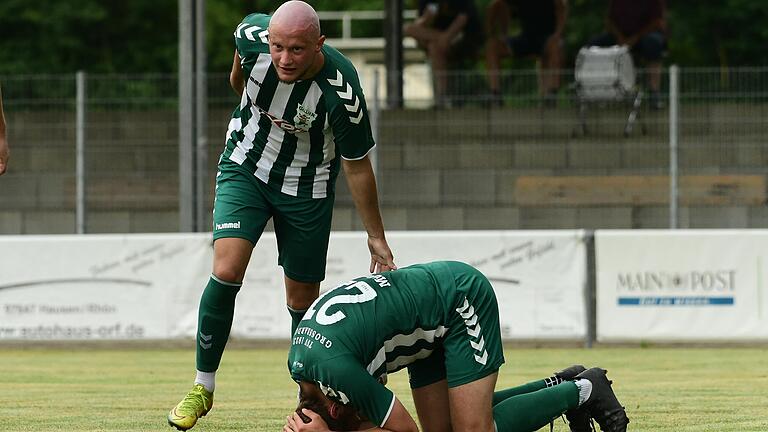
point(569, 373)
point(602, 405)
point(578, 419)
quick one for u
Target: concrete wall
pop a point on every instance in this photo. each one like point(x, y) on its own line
point(438, 169)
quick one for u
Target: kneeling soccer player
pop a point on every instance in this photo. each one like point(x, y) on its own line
point(441, 321)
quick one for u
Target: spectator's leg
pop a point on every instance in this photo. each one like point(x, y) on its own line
point(438, 58)
point(551, 63)
point(496, 48)
point(654, 76)
point(438, 51)
point(651, 48)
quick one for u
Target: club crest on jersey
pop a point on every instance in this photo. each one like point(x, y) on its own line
point(304, 118)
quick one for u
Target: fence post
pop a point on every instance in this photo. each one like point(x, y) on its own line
point(80, 180)
point(590, 291)
point(187, 135)
point(674, 98)
point(393, 52)
point(201, 118)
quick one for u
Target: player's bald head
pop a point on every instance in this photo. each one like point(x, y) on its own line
point(294, 16)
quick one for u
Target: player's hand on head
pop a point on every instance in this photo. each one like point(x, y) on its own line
point(294, 422)
point(381, 256)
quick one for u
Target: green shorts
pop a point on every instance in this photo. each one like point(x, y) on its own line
point(472, 347)
point(243, 206)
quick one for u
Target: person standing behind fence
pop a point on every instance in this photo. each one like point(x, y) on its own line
point(541, 23)
point(4, 152)
point(302, 115)
point(451, 33)
point(642, 26)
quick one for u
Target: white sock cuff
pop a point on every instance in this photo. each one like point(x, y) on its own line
point(207, 379)
point(585, 390)
point(223, 282)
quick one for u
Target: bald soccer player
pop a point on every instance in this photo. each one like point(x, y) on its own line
point(302, 116)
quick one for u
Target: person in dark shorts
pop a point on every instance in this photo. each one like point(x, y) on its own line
point(542, 23)
point(440, 321)
point(450, 32)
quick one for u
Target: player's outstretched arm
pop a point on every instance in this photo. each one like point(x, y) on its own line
point(362, 185)
point(236, 76)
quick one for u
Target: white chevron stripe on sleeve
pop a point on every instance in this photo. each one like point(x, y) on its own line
point(264, 36)
point(482, 359)
point(353, 108)
point(347, 94)
point(472, 321)
point(249, 32)
point(238, 31)
point(338, 81)
point(357, 119)
point(463, 306)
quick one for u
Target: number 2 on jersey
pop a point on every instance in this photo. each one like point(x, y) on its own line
point(367, 293)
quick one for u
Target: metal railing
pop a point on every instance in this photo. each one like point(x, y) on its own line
point(348, 38)
point(521, 163)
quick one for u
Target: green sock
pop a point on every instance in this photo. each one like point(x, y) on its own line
point(525, 388)
point(214, 320)
point(296, 316)
point(505, 394)
point(529, 412)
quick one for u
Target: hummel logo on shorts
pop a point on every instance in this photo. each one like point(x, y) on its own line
point(228, 225)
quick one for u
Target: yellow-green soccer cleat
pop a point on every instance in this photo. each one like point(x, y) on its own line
point(196, 404)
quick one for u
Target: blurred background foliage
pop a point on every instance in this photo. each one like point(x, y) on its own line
point(141, 36)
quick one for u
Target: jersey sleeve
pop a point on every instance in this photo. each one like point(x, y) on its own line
point(348, 116)
point(345, 380)
point(251, 39)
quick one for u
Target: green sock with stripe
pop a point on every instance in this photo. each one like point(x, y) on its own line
point(214, 321)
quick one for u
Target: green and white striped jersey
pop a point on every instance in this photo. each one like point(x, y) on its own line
point(291, 136)
point(355, 334)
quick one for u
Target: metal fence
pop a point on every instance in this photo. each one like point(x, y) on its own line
point(523, 163)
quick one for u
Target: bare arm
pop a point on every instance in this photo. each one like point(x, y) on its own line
point(657, 24)
point(362, 185)
point(561, 14)
point(236, 76)
point(422, 28)
point(4, 152)
point(497, 19)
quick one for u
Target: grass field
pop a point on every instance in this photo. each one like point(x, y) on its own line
point(98, 389)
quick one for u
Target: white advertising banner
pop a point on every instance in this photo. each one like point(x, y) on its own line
point(681, 285)
point(100, 286)
point(149, 286)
